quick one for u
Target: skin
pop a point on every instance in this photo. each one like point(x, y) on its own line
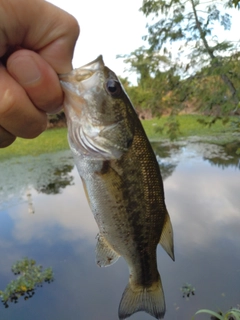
point(37, 41)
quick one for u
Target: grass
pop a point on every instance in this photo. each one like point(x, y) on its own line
point(56, 139)
point(189, 125)
point(49, 141)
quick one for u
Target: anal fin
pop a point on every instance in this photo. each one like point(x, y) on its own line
point(166, 238)
point(105, 255)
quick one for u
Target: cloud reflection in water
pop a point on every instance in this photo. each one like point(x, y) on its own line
point(203, 202)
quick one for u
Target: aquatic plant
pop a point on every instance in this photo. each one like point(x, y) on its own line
point(232, 314)
point(29, 277)
point(187, 290)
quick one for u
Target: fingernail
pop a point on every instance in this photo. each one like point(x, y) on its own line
point(24, 70)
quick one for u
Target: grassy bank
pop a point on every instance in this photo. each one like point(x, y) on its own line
point(56, 139)
point(189, 125)
point(49, 141)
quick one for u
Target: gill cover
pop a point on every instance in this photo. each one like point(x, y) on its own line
point(95, 106)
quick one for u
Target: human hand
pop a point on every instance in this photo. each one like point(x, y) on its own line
point(37, 41)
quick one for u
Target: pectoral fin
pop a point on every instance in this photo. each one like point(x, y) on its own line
point(105, 255)
point(166, 239)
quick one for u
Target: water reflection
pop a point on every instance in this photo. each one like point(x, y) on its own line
point(48, 174)
point(232, 160)
point(58, 180)
point(203, 201)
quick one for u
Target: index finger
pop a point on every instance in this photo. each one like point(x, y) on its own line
point(39, 26)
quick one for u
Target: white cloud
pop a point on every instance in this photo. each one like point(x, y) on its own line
point(203, 204)
point(67, 211)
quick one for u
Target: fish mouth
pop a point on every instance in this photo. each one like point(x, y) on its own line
point(76, 76)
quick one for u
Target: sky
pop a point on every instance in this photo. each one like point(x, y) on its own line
point(108, 28)
point(116, 27)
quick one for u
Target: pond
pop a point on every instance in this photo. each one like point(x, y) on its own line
point(44, 216)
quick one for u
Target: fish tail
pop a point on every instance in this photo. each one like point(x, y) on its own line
point(148, 299)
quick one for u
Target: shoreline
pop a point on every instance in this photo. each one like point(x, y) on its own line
point(55, 139)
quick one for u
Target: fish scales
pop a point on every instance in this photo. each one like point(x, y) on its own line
point(122, 182)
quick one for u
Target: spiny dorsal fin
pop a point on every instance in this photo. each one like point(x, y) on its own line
point(166, 238)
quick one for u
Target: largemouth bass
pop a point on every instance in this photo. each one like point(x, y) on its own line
point(122, 182)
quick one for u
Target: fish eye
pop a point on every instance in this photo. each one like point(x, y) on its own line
point(113, 87)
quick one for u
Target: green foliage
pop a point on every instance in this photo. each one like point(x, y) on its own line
point(236, 3)
point(204, 75)
point(187, 290)
point(235, 123)
point(186, 21)
point(29, 277)
point(155, 87)
point(208, 91)
point(171, 128)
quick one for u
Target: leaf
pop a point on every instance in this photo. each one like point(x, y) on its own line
point(212, 313)
point(236, 3)
point(233, 313)
point(219, 87)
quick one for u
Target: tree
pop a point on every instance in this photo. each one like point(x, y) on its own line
point(236, 3)
point(209, 93)
point(156, 80)
point(191, 24)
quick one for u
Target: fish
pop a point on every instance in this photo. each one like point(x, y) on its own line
point(122, 182)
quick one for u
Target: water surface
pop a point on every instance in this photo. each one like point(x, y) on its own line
point(44, 216)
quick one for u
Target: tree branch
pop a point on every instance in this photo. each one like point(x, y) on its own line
point(215, 61)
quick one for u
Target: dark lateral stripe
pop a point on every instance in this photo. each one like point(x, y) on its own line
point(105, 166)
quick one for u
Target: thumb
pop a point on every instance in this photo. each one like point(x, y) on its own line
point(38, 79)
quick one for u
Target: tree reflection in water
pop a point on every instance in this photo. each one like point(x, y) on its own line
point(163, 152)
point(59, 179)
point(47, 173)
point(232, 159)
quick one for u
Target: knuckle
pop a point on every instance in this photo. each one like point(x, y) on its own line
point(35, 129)
point(32, 125)
point(74, 27)
point(19, 116)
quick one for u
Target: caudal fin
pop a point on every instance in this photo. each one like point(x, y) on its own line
point(150, 300)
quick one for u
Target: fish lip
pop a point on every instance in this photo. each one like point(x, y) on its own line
point(82, 73)
point(95, 64)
